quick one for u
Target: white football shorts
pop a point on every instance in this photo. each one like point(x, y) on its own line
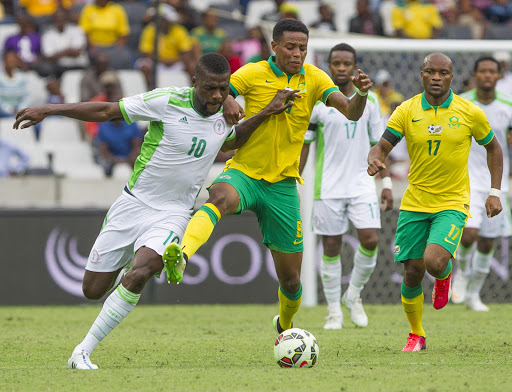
point(331, 216)
point(130, 225)
point(497, 226)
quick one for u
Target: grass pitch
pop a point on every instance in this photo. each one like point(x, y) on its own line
point(230, 348)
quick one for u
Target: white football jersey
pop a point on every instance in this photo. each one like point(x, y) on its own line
point(499, 115)
point(178, 150)
point(342, 150)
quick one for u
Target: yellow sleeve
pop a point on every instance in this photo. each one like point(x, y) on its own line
point(146, 39)
point(396, 121)
point(67, 4)
point(85, 21)
point(123, 27)
point(241, 79)
point(481, 129)
point(397, 18)
point(184, 39)
point(324, 85)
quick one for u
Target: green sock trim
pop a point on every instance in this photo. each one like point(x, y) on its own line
point(367, 252)
point(330, 259)
point(290, 296)
point(127, 295)
point(446, 271)
point(411, 292)
point(211, 214)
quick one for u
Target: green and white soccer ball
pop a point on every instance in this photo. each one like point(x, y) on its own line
point(296, 347)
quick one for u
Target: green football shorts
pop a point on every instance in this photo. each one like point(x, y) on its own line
point(415, 230)
point(276, 206)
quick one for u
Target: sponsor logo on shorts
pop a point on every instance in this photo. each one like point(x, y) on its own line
point(397, 249)
point(466, 207)
point(225, 177)
point(219, 127)
point(450, 242)
point(297, 242)
point(94, 257)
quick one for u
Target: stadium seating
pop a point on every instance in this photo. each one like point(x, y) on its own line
point(70, 85)
point(132, 82)
point(498, 32)
point(59, 131)
point(172, 78)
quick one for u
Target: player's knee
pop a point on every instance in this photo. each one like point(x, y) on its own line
point(225, 201)
point(93, 292)
point(370, 243)
point(436, 265)
point(291, 284)
point(332, 246)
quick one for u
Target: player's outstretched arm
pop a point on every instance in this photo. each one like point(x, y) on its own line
point(281, 101)
point(85, 111)
point(304, 153)
point(352, 108)
point(377, 156)
point(495, 163)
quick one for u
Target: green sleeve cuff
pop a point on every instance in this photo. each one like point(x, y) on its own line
point(486, 139)
point(234, 90)
point(328, 92)
point(308, 141)
point(396, 133)
point(232, 134)
point(123, 111)
point(373, 143)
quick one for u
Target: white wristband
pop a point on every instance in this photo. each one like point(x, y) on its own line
point(386, 183)
point(494, 192)
point(362, 93)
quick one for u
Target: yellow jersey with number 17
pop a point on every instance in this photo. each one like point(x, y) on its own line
point(273, 151)
point(438, 141)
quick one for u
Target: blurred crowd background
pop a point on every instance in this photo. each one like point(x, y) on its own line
point(64, 51)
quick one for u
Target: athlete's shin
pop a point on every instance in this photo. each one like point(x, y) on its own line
point(199, 229)
point(412, 302)
point(364, 264)
point(480, 269)
point(331, 281)
point(289, 304)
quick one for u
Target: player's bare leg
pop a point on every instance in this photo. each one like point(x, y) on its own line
point(288, 266)
point(463, 259)
point(438, 264)
point(331, 271)
point(117, 306)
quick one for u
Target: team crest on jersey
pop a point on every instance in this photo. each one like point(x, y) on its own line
point(454, 122)
point(219, 127)
point(397, 249)
point(302, 87)
point(94, 257)
point(435, 129)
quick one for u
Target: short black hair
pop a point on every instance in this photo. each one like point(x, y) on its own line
point(213, 63)
point(288, 24)
point(486, 58)
point(343, 48)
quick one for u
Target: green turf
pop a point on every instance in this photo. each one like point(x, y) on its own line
point(230, 348)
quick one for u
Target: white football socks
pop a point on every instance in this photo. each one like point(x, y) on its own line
point(480, 269)
point(364, 264)
point(331, 282)
point(116, 307)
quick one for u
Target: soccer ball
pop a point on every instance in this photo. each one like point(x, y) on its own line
point(296, 347)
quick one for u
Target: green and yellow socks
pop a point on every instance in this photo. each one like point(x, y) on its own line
point(412, 301)
point(289, 304)
point(199, 229)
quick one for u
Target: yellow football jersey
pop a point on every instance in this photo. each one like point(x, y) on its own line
point(273, 151)
point(438, 142)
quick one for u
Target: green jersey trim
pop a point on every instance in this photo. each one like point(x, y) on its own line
point(234, 90)
point(486, 139)
point(151, 140)
point(396, 133)
point(328, 92)
point(123, 112)
point(425, 105)
point(319, 167)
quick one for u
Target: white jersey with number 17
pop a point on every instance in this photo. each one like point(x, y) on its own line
point(342, 150)
point(178, 150)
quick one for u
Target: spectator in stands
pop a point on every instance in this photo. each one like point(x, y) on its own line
point(6, 11)
point(105, 24)
point(283, 9)
point(14, 90)
point(500, 12)
point(275, 14)
point(209, 36)
point(189, 17)
point(467, 15)
point(13, 160)
point(326, 22)
point(234, 59)
point(26, 43)
point(110, 92)
point(54, 93)
point(366, 21)
point(90, 85)
point(264, 52)
point(384, 90)
point(42, 10)
point(504, 85)
point(117, 142)
point(416, 19)
point(249, 46)
point(174, 46)
point(63, 45)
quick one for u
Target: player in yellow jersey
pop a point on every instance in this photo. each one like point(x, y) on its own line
point(438, 126)
point(262, 175)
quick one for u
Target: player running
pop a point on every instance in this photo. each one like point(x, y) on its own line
point(346, 194)
point(438, 126)
point(263, 174)
point(187, 128)
point(473, 269)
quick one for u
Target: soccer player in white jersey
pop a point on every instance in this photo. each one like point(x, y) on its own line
point(344, 191)
point(474, 265)
point(187, 128)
